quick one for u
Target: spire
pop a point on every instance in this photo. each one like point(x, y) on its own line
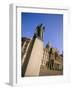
point(48, 45)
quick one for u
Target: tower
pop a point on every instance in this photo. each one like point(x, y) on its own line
point(48, 46)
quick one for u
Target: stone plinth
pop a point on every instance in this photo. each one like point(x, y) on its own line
point(34, 63)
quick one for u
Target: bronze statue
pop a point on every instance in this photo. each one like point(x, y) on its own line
point(39, 31)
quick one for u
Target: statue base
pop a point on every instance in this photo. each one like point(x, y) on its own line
point(33, 67)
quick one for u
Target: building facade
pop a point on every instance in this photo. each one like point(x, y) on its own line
point(51, 58)
point(25, 43)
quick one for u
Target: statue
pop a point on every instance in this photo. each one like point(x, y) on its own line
point(39, 31)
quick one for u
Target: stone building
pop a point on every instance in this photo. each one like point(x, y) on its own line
point(51, 58)
point(25, 43)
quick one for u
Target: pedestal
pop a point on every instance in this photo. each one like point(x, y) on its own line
point(34, 63)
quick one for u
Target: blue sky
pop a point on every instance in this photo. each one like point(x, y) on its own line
point(53, 27)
